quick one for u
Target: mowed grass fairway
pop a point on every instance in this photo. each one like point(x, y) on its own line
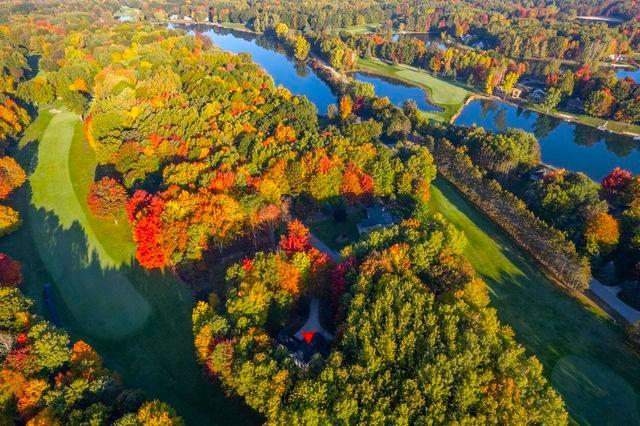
point(584, 355)
point(139, 321)
point(448, 96)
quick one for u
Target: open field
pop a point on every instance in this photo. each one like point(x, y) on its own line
point(362, 29)
point(446, 95)
point(140, 321)
point(583, 353)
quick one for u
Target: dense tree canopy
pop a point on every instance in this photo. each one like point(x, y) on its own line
point(417, 344)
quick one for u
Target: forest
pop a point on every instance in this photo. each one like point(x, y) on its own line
point(219, 176)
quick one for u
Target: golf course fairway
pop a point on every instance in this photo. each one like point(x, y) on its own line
point(138, 320)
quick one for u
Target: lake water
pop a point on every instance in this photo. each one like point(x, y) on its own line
point(296, 76)
point(396, 91)
point(634, 74)
point(568, 145)
point(572, 146)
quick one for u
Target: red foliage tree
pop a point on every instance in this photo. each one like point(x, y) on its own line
point(297, 238)
point(107, 198)
point(144, 211)
point(616, 183)
point(339, 280)
point(10, 271)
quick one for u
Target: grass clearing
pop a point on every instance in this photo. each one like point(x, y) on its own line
point(568, 339)
point(446, 95)
point(139, 321)
point(362, 29)
point(238, 26)
point(329, 231)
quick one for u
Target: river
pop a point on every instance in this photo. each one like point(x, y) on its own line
point(585, 357)
point(295, 75)
point(569, 145)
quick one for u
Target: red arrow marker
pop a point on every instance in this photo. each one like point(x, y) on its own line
point(308, 335)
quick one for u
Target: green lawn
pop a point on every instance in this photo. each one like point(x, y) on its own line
point(583, 353)
point(239, 26)
point(446, 95)
point(139, 321)
point(362, 29)
point(329, 230)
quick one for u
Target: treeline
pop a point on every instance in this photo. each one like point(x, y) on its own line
point(604, 94)
point(199, 147)
point(406, 301)
point(548, 246)
point(14, 118)
point(44, 377)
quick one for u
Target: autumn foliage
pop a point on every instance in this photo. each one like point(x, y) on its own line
point(10, 271)
point(616, 182)
point(11, 176)
point(144, 210)
point(602, 233)
point(107, 198)
point(296, 239)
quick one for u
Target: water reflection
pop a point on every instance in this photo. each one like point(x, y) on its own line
point(569, 145)
point(396, 91)
point(286, 71)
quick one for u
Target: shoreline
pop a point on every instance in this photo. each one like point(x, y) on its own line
point(632, 130)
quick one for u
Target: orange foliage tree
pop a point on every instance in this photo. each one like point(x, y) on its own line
point(107, 198)
point(602, 233)
point(11, 176)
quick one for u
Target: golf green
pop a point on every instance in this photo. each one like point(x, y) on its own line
point(139, 321)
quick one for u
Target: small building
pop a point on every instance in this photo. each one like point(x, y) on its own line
point(377, 218)
point(617, 57)
point(516, 92)
point(174, 18)
point(538, 96)
point(540, 172)
point(302, 352)
point(575, 105)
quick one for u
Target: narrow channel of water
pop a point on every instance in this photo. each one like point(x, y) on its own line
point(572, 146)
point(296, 76)
point(397, 92)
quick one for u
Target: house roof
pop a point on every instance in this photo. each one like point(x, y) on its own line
point(376, 216)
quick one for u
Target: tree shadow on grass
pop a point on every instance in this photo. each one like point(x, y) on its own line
point(550, 323)
point(139, 320)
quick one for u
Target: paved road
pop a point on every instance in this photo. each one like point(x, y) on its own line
point(313, 322)
point(609, 295)
point(317, 243)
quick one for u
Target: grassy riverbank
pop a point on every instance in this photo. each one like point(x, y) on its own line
point(584, 354)
point(446, 95)
point(139, 321)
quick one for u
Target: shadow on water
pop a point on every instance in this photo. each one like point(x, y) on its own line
point(138, 320)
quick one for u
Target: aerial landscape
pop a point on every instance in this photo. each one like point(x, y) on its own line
point(243, 212)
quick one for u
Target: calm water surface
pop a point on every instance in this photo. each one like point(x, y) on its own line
point(288, 72)
point(396, 91)
point(572, 146)
point(568, 145)
point(634, 74)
